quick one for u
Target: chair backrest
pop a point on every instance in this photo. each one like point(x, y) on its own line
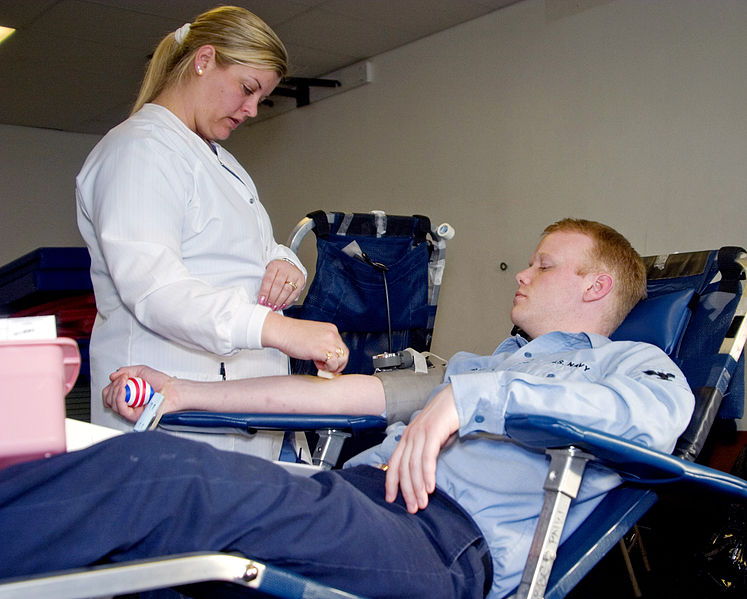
point(377, 278)
point(694, 307)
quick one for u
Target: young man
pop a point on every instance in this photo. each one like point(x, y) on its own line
point(451, 516)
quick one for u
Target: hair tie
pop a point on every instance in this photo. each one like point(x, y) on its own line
point(181, 33)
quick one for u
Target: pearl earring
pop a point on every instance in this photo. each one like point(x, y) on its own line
point(199, 70)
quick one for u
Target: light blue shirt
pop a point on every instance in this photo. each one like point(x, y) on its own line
point(619, 387)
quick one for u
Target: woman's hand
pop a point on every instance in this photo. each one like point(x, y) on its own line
point(412, 467)
point(113, 394)
point(281, 285)
point(306, 340)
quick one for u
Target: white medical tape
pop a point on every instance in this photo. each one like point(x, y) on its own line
point(419, 362)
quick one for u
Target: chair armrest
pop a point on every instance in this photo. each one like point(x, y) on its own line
point(331, 429)
point(220, 421)
point(635, 463)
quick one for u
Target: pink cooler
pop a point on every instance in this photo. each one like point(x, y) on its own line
point(35, 376)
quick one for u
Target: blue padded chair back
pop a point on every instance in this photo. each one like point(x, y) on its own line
point(660, 320)
point(674, 283)
point(692, 298)
point(352, 294)
point(716, 378)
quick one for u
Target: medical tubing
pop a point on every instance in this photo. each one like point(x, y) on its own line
point(388, 313)
point(382, 268)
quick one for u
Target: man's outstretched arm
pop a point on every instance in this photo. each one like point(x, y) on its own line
point(292, 394)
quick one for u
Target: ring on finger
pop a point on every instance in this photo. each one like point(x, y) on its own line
point(329, 356)
point(340, 352)
point(292, 285)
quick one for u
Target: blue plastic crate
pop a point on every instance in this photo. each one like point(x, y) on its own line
point(44, 275)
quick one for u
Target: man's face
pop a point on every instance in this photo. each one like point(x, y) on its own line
point(551, 292)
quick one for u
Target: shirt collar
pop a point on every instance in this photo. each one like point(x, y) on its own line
point(564, 339)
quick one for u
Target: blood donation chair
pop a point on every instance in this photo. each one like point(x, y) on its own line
point(695, 311)
point(377, 278)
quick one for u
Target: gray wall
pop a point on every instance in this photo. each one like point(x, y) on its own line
point(37, 188)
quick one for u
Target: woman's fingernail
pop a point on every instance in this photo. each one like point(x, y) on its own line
point(262, 300)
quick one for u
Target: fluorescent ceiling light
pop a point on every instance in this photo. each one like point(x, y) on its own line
point(5, 32)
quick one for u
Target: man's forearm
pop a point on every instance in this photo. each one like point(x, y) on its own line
point(346, 394)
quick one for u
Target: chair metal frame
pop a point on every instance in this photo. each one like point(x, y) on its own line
point(176, 570)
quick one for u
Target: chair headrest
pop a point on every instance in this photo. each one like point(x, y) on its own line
point(658, 320)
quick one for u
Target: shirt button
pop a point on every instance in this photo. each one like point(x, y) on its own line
point(550, 376)
point(527, 354)
point(479, 418)
point(397, 438)
point(251, 200)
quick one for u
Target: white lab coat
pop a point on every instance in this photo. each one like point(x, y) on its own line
point(179, 243)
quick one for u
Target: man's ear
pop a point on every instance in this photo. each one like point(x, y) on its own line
point(600, 285)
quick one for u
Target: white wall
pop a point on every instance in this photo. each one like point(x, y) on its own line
point(37, 188)
point(631, 112)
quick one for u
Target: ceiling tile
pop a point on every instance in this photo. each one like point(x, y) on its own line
point(311, 62)
point(270, 11)
point(19, 14)
point(417, 17)
point(109, 25)
point(340, 34)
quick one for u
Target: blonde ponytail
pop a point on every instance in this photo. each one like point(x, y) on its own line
point(238, 36)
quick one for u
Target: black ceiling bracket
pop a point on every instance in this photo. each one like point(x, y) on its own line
point(298, 88)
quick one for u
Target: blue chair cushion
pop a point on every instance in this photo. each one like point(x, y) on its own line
point(657, 320)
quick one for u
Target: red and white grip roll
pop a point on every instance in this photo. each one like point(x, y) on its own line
point(138, 392)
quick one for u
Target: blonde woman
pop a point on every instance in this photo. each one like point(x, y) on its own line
point(186, 272)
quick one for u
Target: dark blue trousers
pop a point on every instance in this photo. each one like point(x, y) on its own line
point(151, 494)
